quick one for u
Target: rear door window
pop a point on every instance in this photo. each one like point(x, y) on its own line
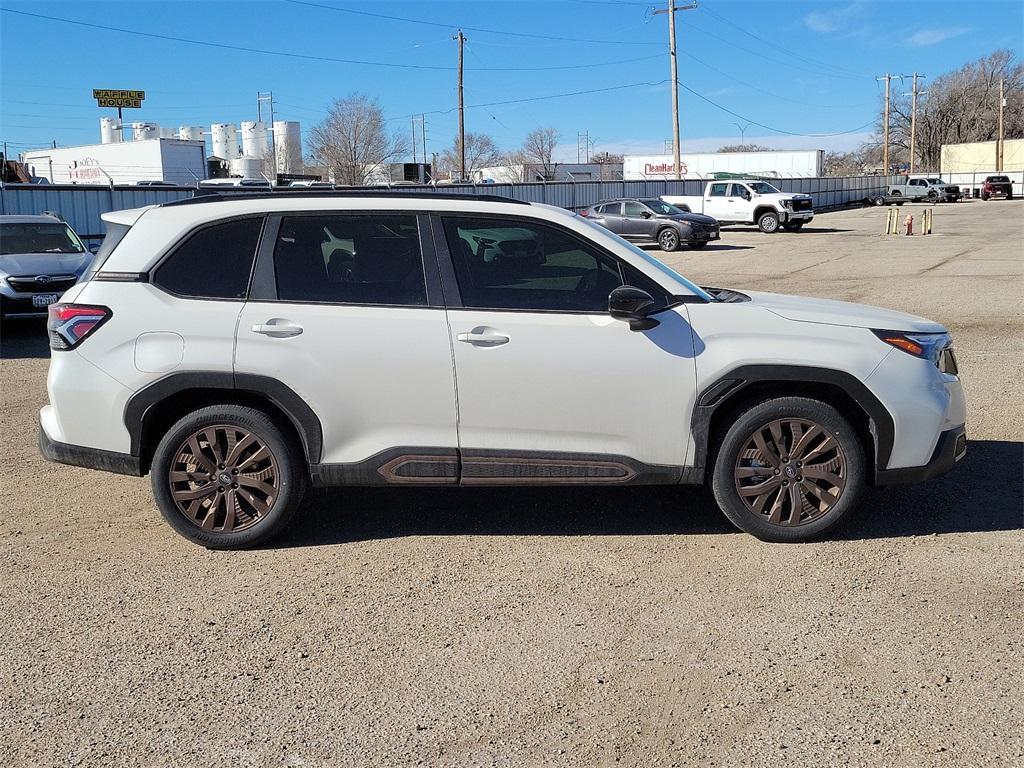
point(718, 190)
point(350, 259)
point(215, 262)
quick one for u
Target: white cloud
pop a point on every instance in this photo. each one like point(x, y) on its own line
point(833, 20)
point(924, 37)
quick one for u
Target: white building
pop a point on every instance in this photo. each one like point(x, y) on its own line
point(127, 162)
point(783, 164)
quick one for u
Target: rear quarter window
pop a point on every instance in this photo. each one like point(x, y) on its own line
point(214, 262)
point(115, 234)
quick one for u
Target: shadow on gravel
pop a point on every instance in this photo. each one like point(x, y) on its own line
point(359, 514)
point(709, 247)
point(983, 493)
point(24, 339)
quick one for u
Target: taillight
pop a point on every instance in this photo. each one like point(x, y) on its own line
point(70, 324)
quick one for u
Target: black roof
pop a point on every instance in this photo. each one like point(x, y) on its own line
point(211, 195)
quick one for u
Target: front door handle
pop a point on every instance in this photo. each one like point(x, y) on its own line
point(278, 328)
point(483, 337)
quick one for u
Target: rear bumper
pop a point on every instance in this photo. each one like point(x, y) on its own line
point(951, 447)
point(90, 458)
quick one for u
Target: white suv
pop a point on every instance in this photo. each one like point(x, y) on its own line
point(238, 349)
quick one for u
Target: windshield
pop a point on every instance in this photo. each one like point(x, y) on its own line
point(641, 253)
point(660, 206)
point(762, 188)
point(41, 237)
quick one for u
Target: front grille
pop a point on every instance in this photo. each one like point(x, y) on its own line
point(802, 205)
point(33, 284)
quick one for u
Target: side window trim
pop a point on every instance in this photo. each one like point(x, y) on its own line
point(150, 274)
point(264, 280)
point(453, 297)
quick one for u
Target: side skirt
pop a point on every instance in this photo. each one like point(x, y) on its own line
point(434, 466)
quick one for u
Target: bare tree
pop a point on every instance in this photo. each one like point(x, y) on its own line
point(606, 158)
point(481, 152)
point(744, 148)
point(960, 107)
point(539, 149)
point(354, 141)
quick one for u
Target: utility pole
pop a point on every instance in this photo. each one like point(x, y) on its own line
point(999, 130)
point(671, 11)
point(913, 121)
point(268, 96)
point(885, 126)
point(412, 120)
point(462, 123)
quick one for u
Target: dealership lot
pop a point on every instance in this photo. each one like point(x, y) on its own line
point(583, 627)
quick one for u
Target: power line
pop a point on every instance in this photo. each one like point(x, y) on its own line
point(310, 57)
point(776, 46)
point(560, 38)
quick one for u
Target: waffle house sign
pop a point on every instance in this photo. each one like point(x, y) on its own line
point(118, 99)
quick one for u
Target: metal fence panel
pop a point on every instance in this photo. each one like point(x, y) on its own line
point(82, 205)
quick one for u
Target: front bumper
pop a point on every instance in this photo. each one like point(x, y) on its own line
point(803, 216)
point(951, 447)
point(90, 458)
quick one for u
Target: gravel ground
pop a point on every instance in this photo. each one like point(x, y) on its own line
point(548, 627)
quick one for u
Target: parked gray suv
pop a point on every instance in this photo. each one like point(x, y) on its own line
point(40, 258)
point(655, 220)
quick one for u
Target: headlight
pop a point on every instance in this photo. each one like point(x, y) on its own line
point(934, 347)
point(787, 203)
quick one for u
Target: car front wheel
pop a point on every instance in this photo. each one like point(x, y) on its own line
point(227, 477)
point(788, 469)
point(668, 240)
point(768, 222)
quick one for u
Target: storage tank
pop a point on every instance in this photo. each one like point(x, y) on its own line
point(225, 140)
point(254, 139)
point(143, 131)
point(110, 130)
point(247, 167)
point(288, 146)
point(168, 133)
point(191, 132)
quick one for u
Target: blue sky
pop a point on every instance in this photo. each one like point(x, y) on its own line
point(800, 67)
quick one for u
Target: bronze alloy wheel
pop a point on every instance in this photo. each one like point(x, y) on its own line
point(790, 472)
point(224, 479)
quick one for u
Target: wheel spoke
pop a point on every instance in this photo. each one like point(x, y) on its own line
point(766, 452)
point(258, 504)
point(211, 513)
point(261, 454)
point(238, 448)
point(796, 504)
point(211, 440)
point(824, 446)
point(780, 445)
point(195, 493)
point(753, 471)
point(828, 497)
point(252, 482)
point(775, 513)
point(200, 457)
point(804, 441)
point(836, 481)
point(230, 509)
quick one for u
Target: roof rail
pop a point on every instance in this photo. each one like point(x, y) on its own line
point(212, 195)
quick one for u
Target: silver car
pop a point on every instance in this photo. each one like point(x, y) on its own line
point(40, 258)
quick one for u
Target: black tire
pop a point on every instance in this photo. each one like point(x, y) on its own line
point(668, 239)
point(932, 196)
point(985, 195)
point(895, 193)
point(768, 222)
point(1009, 195)
point(290, 478)
point(725, 483)
point(698, 244)
point(879, 200)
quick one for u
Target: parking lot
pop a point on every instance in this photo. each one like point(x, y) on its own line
point(560, 626)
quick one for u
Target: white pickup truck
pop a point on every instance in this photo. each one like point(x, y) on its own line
point(749, 202)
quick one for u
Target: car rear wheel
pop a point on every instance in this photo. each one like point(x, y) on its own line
point(788, 470)
point(227, 477)
point(768, 222)
point(668, 240)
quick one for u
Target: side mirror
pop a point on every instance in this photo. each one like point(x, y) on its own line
point(632, 305)
point(646, 214)
point(94, 248)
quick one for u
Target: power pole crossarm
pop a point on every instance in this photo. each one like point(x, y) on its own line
point(674, 69)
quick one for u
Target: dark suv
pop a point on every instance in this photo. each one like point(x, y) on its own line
point(654, 220)
point(996, 186)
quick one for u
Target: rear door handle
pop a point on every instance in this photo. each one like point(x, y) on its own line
point(483, 337)
point(278, 328)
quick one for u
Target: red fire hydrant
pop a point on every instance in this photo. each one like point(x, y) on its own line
point(909, 224)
